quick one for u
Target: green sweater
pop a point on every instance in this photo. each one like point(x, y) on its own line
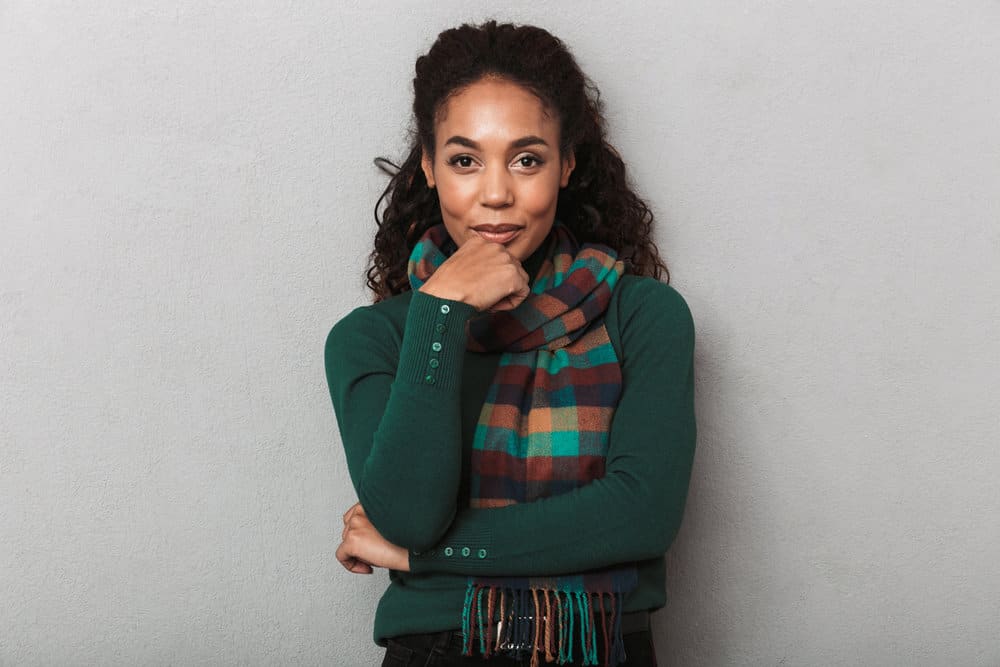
point(407, 431)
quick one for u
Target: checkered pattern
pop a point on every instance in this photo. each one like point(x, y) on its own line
point(543, 431)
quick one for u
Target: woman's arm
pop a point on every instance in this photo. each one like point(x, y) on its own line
point(634, 511)
point(397, 401)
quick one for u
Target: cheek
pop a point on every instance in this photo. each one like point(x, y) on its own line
point(543, 195)
point(455, 197)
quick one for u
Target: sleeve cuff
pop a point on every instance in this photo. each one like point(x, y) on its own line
point(468, 553)
point(434, 341)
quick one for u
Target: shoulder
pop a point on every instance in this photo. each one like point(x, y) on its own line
point(645, 310)
point(646, 298)
point(377, 324)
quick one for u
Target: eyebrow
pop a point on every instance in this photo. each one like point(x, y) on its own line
point(530, 140)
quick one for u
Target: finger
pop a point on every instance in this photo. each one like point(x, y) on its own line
point(350, 511)
point(344, 558)
point(469, 246)
point(523, 292)
point(352, 563)
point(513, 301)
point(502, 304)
point(361, 567)
point(357, 522)
point(508, 303)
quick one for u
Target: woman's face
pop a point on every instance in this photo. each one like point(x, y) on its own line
point(497, 167)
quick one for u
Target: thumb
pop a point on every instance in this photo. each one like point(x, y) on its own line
point(361, 567)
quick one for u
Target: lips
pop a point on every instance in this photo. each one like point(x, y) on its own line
point(497, 233)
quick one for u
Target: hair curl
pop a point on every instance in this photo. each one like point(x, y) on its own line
point(597, 204)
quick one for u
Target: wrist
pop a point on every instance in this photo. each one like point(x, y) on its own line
point(442, 293)
point(434, 342)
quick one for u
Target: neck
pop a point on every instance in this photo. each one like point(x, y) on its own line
point(534, 262)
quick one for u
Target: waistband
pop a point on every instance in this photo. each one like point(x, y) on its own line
point(635, 621)
point(632, 621)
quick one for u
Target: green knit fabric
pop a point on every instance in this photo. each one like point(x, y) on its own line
point(543, 431)
point(407, 427)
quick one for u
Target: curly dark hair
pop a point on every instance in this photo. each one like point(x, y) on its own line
point(597, 204)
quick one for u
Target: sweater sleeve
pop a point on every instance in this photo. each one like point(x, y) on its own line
point(634, 511)
point(397, 403)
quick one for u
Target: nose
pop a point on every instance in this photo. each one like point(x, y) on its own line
point(496, 191)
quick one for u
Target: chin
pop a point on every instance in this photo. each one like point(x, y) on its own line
point(521, 252)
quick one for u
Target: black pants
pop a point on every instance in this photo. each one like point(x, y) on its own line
point(444, 649)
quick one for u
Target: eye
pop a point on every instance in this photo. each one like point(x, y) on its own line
point(529, 161)
point(463, 161)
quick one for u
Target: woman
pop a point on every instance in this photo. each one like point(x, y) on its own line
point(517, 405)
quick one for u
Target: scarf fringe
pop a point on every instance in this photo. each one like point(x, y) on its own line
point(543, 624)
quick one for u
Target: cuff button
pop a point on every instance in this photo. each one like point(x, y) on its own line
point(448, 551)
point(481, 553)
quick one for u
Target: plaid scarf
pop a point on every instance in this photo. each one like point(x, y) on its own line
point(543, 431)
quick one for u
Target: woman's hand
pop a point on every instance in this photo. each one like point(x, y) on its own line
point(482, 274)
point(362, 548)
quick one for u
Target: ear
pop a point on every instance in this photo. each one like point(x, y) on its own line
point(428, 167)
point(568, 165)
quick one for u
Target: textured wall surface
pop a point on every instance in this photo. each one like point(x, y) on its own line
point(185, 204)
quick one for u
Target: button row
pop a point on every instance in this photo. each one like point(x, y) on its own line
point(436, 346)
point(466, 552)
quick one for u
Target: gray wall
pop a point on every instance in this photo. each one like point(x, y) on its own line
point(185, 200)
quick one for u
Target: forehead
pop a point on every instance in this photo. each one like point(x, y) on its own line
point(495, 110)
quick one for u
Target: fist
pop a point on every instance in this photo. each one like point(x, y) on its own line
point(362, 547)
point(482, 274)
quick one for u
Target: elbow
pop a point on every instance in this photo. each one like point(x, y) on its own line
point(661, 525)
point(423, 537)
point(416, 526)
point(662, 537)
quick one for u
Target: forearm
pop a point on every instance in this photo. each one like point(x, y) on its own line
point(399, 418)
point(631, 513)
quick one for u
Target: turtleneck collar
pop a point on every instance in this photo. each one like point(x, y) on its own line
point(533, 263)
